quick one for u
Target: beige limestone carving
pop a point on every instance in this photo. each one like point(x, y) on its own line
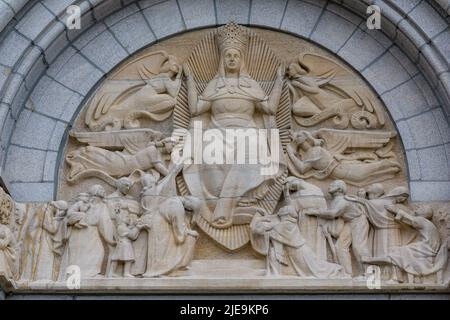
point(353, 233)
point(279, 238)
point(357, 157)
point(121, 105)
point(242, 88)
point(141, 150)
point(322, 89)
point(8, 242)
point(426, 254)
point(90, 244)
point(141, 220)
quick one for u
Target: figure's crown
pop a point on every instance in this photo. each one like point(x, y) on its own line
point(232, 35)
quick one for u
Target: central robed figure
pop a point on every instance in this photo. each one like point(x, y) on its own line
point(233, 99)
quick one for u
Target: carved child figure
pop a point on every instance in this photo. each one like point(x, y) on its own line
point(127, 231)
point(77, 212)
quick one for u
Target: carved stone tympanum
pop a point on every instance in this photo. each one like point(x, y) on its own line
point(229, 159)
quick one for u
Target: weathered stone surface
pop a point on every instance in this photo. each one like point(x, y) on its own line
point(389, 28)
point(104, 51)
point(9, 92)
point(6, 14)
point(87, 20)
point(57, 136)
point(19, 100)
point(119, 15)
point(442, 124)
point(429, 191)
point(133, 32)
point(89, 35)
point(57, 6)
point(413, 165)
point(442, 42)
point(78, 74)
point(232, 10)
point(409, 39)
point(16, 5)
point(19, 168)
point(432, 63)
point(4, 74)
point(31, 125)
point(35, 21)
point(340, 11)
point(309, 15)
point(424, 130)
point(405, 135)
point(405, 5)
point(332, 31)
point(361, 49)
point(428, 20)
point(148, 3)
point(444, 90)
point(433, 163)
point(385, 73)
point(426, 90)
point(53, 99)
point(197, 13)
point(29, 192)
point(406, 63)
point(61, 61)
point(28, 60)
point(53, 41)
point(8, 56)
point(405, 100)
point(8, 123)
point(158, 15)
point(266, 12)
point(105, 8)
point(49, 166)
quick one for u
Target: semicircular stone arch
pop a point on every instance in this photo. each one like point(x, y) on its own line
point(47, 72)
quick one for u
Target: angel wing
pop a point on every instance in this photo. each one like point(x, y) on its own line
point(341, 81)
point(116, 89)
point(131, 140)
point(338, 141)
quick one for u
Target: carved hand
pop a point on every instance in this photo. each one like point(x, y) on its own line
point(311, 211)
point(187, 72)
point(280, 72)
point(193, 233)
point(390, 208)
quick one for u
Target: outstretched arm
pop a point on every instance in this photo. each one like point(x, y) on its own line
point(404, 217)
point(307, 85)
point(331, 213)
point(196, 105)
point(172, 86)
point(270, 106)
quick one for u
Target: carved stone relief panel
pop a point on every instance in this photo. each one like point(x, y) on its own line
point(231, 158)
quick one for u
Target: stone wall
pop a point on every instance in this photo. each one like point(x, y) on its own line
point(46, 71)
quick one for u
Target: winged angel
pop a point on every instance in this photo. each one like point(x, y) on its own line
point(152, 95)
point(322, 89)
point(357, 157)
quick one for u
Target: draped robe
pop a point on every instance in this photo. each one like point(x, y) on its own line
point(88, 246)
